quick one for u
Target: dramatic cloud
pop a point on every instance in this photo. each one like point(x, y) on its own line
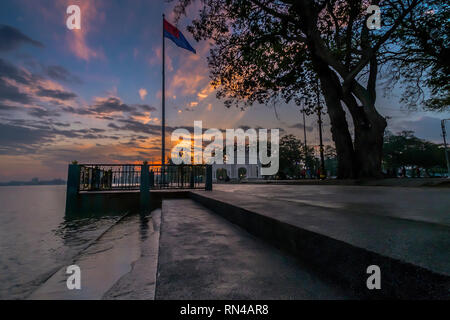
point(136, 126)
point(60, 73)
point(41, 113)
point(11, 38)
point(110, 105)
point(12, 93)
point(21, 86)
point(19, 139)
point(21, 136)
point(79, 111)
point(6, 108)
point(145, 107)
point(56, 94)
point(104, 107)
point(10, 71)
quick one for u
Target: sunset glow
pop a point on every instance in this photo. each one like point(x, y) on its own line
point(94, 95)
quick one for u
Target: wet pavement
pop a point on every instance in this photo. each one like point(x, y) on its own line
point(121, 264)
point(203, 256)
point(408, 224)
point(420, 204)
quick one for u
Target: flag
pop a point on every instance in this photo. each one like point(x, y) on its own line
point(176, 36)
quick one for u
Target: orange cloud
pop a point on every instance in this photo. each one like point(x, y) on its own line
point(191, 76)
point(142, 93)
point(203, 94)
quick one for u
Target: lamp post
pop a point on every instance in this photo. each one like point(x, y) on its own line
point(322, 173)
point(304, 127)
point(304, 137)
point(444, 133)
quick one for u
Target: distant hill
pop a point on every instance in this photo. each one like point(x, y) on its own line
point(34, 182)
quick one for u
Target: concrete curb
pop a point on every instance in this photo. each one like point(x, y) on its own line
point(405, 183)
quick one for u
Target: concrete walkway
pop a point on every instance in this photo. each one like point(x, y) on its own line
point(203, 256)
point(344, 229)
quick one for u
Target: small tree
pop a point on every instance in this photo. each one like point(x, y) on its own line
point(291, 155)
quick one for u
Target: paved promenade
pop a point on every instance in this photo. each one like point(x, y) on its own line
point(419, 204)
point(411, 224)
point(344, 229)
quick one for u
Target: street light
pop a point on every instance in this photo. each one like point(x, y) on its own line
point(445, 145)
point(322, 173)
point(304, 127)
point(303, 111)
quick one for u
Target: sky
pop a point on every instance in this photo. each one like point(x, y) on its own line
point(94, 95)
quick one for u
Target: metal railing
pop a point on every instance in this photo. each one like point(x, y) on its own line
point(177, 176)
point(103, 177)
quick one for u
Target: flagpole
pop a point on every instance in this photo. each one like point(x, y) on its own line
point(163, 97)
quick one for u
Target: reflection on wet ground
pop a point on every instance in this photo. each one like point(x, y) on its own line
point(111, 266)
point(36, 239)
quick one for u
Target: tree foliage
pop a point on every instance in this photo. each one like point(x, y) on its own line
point(291, 155)
point(404, 149)
point(418, 56)
point(266, 51)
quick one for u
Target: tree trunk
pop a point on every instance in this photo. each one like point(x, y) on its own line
point(369, 128)
point(339, 127)
point(369, 146)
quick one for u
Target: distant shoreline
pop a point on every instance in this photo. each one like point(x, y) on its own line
point(54, 182)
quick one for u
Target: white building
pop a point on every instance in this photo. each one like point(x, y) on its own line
point(236, 171)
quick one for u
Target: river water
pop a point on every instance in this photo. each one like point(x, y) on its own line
point(36, 239)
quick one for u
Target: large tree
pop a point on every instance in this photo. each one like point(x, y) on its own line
point(264, 51)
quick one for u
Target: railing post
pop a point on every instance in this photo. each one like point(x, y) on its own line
point(73, 186)
point(208, 182)
point(144, 195)
point(192, 178)
point(152, 179)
